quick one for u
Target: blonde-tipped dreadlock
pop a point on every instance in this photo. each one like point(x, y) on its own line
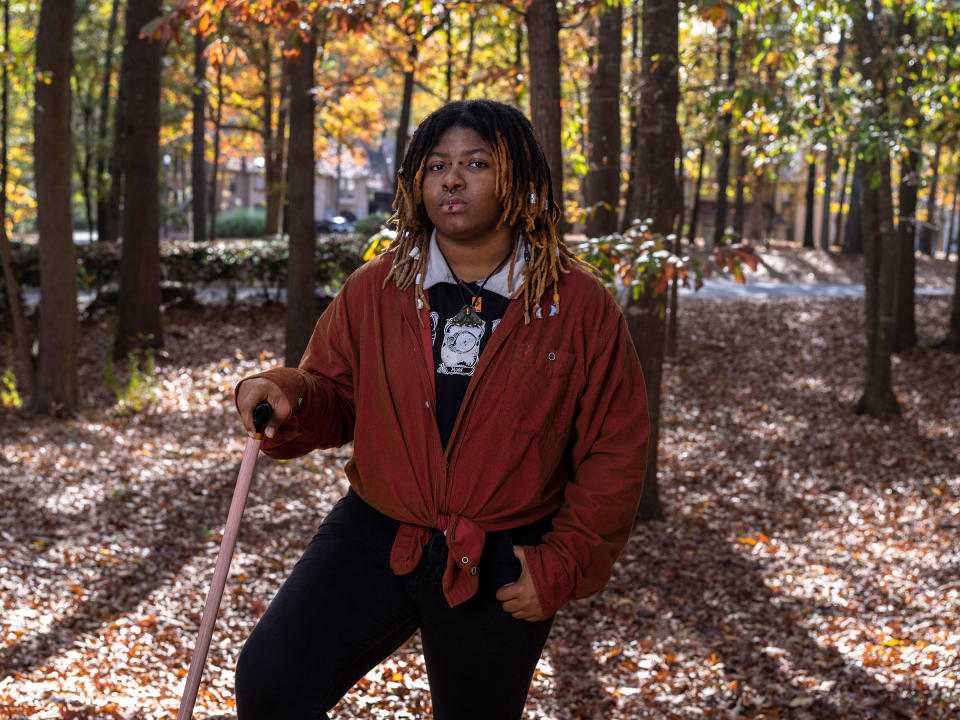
point(523, 188)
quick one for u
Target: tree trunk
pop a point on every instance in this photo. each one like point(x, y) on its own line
point(277, 193)
point(138, 318)
point(630, 213)
point(738, 203)
point(838, 228)
point(448, 28)
point(905, 333)
point(602, 184)
point(518, 64)
point(656, 188)
point(756, 214)
point(56, 390)
point(672, 305)
point(772, 217)
point(22, 361)
point(113, 210)
point(270, 169)
point(881, 253)
point(543, 47)
point(468, 60)
point(928, 238)
point(82, 161)
point(215, 166)
point(695, 212)
point(952, 340)
point(828, 170)
point(723, 167)
point(403, 127)
point(301, 303)
point(954, 217)
point(853, 232)
point(103, 211)
point(808, 210)
point(829, 161)
point(658, 199)
point(198, 178)
point(647, 330)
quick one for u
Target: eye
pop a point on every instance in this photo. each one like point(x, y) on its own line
point(435, 166)
point(478, 164)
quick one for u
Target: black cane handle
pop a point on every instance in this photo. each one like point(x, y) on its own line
point(261, 416)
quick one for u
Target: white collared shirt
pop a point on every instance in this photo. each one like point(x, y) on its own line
point(439, 272)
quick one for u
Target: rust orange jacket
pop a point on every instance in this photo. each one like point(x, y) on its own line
point(554, 422)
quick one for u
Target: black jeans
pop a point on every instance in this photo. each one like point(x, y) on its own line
point(342, 611)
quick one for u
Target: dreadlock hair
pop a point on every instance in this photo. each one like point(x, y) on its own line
point(523, 188)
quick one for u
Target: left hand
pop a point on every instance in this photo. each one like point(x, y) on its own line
point(519, 598)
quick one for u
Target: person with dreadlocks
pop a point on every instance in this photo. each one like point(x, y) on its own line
point(498, 417)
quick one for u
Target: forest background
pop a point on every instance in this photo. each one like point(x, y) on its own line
point(817, 134)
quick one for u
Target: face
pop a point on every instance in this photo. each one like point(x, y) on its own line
point(459, 188)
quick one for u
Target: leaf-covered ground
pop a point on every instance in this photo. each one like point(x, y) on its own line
point(809, 566)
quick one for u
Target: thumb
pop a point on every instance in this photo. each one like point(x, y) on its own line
point(518, 552)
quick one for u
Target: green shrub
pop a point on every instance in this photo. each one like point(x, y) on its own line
point(259, 263)
point(371, 223)
point(242, 223)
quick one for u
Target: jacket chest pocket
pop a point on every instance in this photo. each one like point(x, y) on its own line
point(539, 396)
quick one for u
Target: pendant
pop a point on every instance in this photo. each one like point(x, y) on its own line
point(467, 318)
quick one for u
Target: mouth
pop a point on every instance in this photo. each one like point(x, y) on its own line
point(452, 205)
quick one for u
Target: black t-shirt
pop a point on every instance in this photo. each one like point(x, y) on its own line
point(457, 348)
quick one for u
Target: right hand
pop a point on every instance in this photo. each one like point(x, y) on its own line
point(251, 392)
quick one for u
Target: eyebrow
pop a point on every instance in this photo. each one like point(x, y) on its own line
point(466, 152)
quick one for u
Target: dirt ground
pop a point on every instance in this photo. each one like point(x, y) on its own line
point(786, 262)
point(807, 568)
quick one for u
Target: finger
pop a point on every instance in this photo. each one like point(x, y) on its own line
point(508, 592)
point(518, 552)
point(515, 605)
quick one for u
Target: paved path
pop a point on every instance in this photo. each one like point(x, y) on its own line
point(724, 287)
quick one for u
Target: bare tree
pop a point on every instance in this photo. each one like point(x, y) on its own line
point(543, 49)
point(56, 391)
point(138, 319)
point(880, 247)
point(198, 151)
point(301, 304)
point(23, 362)
point(602, 184)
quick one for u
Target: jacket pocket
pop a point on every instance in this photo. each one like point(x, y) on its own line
point(538, 399)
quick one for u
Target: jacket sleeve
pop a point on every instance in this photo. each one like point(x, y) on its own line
point(321, 387)
point(608, 457)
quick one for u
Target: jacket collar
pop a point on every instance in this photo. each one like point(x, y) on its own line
point(439, 272)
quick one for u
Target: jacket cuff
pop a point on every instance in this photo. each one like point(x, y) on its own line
point(550, 578)
point(289, 381)
point(294, 388)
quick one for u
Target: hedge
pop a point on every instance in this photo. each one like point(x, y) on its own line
point(236, 263)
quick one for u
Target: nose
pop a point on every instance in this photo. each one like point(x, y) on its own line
point(453, 178)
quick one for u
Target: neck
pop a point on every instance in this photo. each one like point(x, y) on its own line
point(472, 261)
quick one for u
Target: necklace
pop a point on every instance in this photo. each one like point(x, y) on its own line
point(468, 313)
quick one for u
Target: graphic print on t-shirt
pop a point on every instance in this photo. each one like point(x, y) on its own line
point(434, 319)
point(460, 350)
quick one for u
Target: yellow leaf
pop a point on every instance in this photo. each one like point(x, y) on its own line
point(892, 642)
point(931, 55)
